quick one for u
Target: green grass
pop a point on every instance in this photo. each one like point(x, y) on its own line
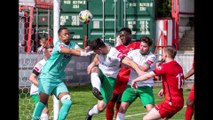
point(83, 100)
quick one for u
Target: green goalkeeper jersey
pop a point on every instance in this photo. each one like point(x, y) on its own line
point(56, 64)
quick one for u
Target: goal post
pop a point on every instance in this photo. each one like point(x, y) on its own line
point(28, 56)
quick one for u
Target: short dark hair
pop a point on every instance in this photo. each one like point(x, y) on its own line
point(126, 29)
point(146, 39)
point(96, 44)
point(171, 51)
point(62, 28)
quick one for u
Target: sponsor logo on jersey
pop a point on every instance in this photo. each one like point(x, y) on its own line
point(159, 67)
point(61, 45)
point(149, 62)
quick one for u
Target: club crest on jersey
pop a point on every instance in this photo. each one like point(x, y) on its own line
point(61, 46)
point(149, 62)
point(120, 55)
point(159, 67)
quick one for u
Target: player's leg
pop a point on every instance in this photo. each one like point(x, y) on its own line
point(118, 104)
point(146, 97)
point(43, 99)
point(56, 107)
point(107, 88)
point(96, 83)
point(128, 96)
point(110, 107)
point(152, 115)
point(122, 87)
point(63, 94)
point(44, 115)
point(45, 89)
point(190, 105)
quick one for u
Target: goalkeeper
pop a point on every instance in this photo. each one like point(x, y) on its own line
point(51, 79)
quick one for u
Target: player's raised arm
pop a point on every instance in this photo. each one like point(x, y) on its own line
point(33, 79)
point(145, 76)
point(132, 64)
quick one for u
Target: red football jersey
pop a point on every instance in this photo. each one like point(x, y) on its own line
point(124, 73)
point(172, 81)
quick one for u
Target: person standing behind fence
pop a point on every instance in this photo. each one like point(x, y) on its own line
point(51, 79)
point(190, 100)
point(172, 83)
point(43, 42)
point(147, 61)
point(34, 80)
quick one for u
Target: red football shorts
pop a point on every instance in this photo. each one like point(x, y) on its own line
point(191, 94)
point(167, 110)
point(120, 86)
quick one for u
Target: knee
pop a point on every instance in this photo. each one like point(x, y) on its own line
point(66, 100)
point(94, 69)
point(122, 108)
point(45, 110)
point(189, 102)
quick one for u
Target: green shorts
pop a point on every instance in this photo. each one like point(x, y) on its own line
point(107, 86)
point(145, 94)
point(49, 86)
point(35, 98)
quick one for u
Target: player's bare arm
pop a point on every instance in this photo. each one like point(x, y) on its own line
point(33, 79)
point(160, 93)
point(189, 73)
point(132, 64)
point(75, 52)
point(144, 67)
point(145, 76)
point(94, 63)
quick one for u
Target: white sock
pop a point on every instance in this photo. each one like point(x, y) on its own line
point(56, 107)
point(44, 116)
point(95, 81)
point(94, 110)
point(120, 116)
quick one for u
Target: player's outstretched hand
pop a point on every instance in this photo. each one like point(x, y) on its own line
point(134, 85)
point(160, 93)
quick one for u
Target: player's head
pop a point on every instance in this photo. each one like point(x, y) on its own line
point(64, 34)
point(146, 45)
point(98, 46)
point(43, 41)
point(48, 51)
point(169, 52)
point(125, 35)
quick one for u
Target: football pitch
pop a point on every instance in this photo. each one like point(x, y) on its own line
point(83, 100)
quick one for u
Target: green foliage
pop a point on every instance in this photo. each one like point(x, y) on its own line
point(163, 8)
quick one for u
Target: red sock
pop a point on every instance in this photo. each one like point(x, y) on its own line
point(110, 110)
point(189, 112)
point(117, 108)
